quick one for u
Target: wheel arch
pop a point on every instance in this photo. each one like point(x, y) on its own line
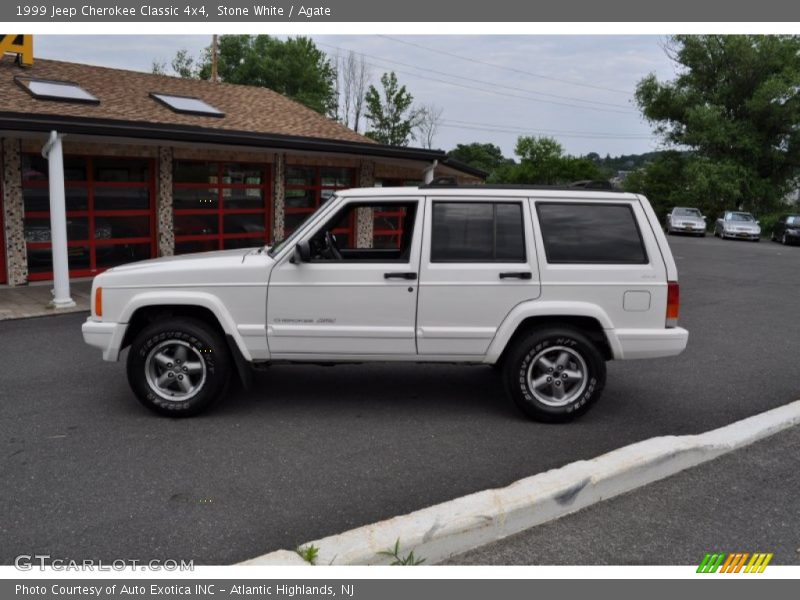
point(587, 318)
point(147, 308)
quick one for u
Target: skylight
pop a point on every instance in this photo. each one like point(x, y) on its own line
point(45, 89)
point(187, 105)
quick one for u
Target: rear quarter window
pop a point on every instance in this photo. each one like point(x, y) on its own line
point(590, 233)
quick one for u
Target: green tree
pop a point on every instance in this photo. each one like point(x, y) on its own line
point(486, 157)
point(294, 67)
point(543, 162)
point(389, 113)
point(734, 104)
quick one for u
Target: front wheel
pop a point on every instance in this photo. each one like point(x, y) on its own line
point(178, 367)
point(554, 374)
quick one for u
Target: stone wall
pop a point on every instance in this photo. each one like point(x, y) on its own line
point(164, 218)
point(13, 212)
point(278, 196)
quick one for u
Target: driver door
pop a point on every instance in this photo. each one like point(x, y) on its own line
point(356, 298)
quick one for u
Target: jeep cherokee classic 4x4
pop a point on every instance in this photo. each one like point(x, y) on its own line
point(545, 284)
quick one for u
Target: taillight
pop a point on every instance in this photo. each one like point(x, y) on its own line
point(673, 303)
point(98, 302)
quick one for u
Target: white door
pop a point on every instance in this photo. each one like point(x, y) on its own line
point(478, 262)
point(358, 297)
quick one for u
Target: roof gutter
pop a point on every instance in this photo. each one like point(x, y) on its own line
point(194, 134)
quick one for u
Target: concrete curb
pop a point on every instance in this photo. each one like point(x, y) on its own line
point(444, 530)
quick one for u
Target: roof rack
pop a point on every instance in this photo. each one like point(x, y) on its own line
point(588, 184)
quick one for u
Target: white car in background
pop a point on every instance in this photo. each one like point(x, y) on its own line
point(685, 220)
point(737, 225)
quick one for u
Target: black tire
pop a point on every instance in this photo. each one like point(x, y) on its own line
point(201, 345)
point(547, 343)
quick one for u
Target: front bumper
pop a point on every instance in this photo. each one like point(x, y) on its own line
point(741, 235)
point(648, 343)
point(105, 336)
point(792, 238)
point(691, 228)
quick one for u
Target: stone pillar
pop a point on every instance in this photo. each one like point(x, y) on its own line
point(365, 220)
point(278, 196)
point(13, 214)
point(366, 174)
point(165, 227)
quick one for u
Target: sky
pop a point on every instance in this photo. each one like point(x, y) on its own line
point(577, 89)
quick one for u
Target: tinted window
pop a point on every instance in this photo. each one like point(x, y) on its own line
point(477, 232)
point(590, 233)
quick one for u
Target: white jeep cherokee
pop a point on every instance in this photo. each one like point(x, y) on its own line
point(545, 284)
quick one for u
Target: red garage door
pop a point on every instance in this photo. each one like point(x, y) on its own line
point(110, 213)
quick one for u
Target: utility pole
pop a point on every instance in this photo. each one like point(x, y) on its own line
point(214, 58)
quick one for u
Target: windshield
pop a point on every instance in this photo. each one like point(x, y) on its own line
point(794, 220)
point(281, 244)
point(740, 217)
point(687, 212)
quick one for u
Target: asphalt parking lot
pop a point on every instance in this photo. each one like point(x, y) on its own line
point(311, 451)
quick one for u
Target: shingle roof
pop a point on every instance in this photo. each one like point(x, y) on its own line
point(124, 96)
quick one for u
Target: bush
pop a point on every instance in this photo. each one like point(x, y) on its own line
point(767, 222)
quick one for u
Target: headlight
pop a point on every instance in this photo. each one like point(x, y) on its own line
point(793, 231)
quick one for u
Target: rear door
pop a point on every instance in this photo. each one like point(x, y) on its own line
point(478, 262)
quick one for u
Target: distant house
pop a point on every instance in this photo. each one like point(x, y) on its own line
point(158, 165)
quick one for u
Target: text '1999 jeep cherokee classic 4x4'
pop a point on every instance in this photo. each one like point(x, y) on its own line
point(546, 284)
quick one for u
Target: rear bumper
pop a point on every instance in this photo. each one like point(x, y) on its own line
point(104, 336)
point(648, 343)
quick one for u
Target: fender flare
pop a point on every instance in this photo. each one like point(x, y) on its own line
point(202, 299)
point(538, 308)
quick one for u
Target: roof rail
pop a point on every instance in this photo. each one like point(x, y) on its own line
point(450, 182)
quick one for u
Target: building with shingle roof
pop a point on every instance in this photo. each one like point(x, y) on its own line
point(158, 165)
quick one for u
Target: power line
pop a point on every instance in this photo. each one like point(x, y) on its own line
point(488, 91)
point(516, 128)
point(512, 69)
point(530, 131)
point(481, 81)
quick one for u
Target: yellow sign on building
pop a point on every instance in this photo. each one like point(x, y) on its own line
point(15, 43)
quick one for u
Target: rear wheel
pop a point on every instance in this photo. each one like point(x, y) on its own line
point(178, 367)
point(554, 374)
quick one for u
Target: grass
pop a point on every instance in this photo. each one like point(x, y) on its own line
point(398, 560)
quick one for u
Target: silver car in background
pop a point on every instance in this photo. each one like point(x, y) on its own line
point(685, 220)
point(737, 225)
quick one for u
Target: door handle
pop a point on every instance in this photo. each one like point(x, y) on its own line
point(516, 275)
point(400, 275)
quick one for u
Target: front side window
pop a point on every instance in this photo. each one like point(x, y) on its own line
point(368, 242)
point(477, 232)
point(590, 233)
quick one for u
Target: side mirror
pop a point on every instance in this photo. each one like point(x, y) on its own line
point(758, 222)
point(703, 217)
point(302, 253)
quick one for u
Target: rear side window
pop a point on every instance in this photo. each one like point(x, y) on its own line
point(477, 232)
point(590, 233)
